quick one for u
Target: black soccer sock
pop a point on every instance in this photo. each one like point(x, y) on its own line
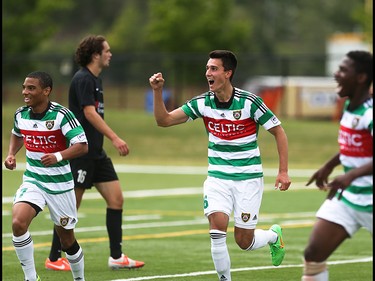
point(72, 250)
point(55, 252)
point(114, 224)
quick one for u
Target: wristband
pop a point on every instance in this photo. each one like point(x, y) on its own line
point(58, 156)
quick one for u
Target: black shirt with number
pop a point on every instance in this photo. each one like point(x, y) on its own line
point(86, 89)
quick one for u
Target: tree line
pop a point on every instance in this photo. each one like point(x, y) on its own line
point(269, 28)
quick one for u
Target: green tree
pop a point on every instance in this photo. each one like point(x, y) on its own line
point(128, 29)
point(180, 26)
point(25, 25)
point(363, 14)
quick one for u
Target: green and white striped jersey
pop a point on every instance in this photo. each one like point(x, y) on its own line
point(355, 141)
point(232, 129)
point(53, 132)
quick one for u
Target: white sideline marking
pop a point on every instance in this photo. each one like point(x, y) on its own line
point(192, 170)
point(198, 221)
point(200, 273)
point(189, 170)
point(164, 192)
point(128, 226)
point(139, 193)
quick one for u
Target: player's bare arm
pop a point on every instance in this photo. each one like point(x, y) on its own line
point(343, 181)
point(97, 121)
point(282, 180)
point(320, 177)
point(73, 151)
point(15, 145)
point(162, 116)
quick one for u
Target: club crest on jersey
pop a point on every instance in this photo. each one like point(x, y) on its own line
point(49, 124)
point(64, 221)
point(237, 114)
point(245, 217)
point(355, 122)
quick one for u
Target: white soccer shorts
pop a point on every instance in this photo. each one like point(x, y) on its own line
point(337, 211)
point(62, 207)
point(242, 197)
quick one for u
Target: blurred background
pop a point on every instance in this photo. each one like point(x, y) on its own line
point(287, 52)
point(287, 49)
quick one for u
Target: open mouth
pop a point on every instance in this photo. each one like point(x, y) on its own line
point(210, 81)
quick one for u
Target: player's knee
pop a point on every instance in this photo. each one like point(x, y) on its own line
point(313, 271)
point(19, 227)
point(72, 248)
point(245, 242)
point(311, 254)
point(245, 245)
point(120, 201)
point(115, 202)
point(67, 239)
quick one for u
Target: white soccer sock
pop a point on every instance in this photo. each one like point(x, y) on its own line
point(322, 276)
point(315, 271)
point(262, 238)
point(24, 247)
point(220, 255)
point(77, 264)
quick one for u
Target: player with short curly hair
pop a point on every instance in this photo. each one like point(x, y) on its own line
point(52, 136)
point(348, 206)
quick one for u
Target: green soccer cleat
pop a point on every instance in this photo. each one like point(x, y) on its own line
point(277, 248)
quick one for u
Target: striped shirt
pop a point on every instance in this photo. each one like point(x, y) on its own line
point(52, 132)
point(355, 141)
point(233, 151)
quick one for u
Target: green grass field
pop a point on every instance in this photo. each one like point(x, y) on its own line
point(163, 217)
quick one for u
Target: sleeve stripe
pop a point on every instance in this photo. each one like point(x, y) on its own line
point(71, 119)
point(67, 114)
point(253, 99)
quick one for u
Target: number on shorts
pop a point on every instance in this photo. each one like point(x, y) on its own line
point(81, 176)
point(20, 193)
point(205, 202)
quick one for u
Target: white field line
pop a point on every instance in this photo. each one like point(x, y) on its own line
point(139, 193)
point(211, 272)
point(193, 170)
point(127, 227)
point(302, 218)
point(189, 170)
point(167, 192)
point(149, 193)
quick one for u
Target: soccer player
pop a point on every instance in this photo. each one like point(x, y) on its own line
point(348, 206)
point(51, 135)
point(95, 168)
point(235, 176)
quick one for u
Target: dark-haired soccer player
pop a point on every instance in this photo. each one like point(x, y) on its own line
point(51, 135)
point(235, 175)
point(86, 100)
point(348, 206)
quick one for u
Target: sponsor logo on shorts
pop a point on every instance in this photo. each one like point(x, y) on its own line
point(245, 217)
point(64, 221)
